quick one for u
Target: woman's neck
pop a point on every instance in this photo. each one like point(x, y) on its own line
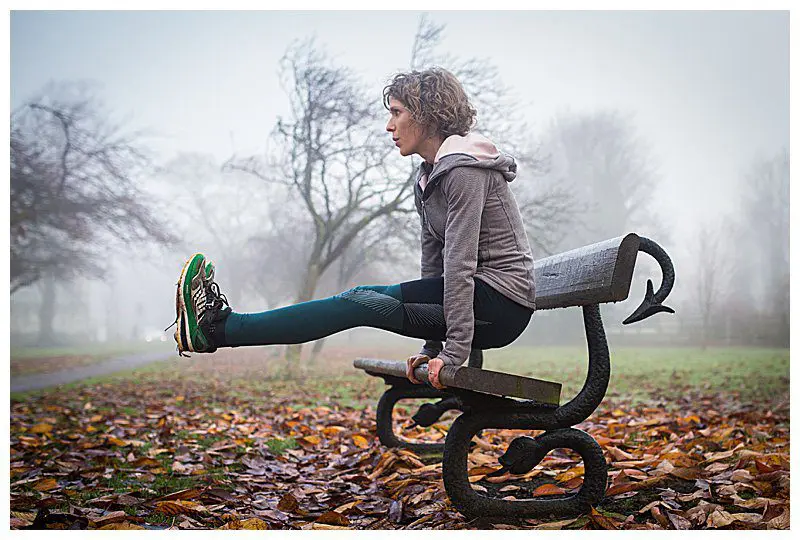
point(430, 147)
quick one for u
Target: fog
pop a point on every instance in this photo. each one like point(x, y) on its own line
point(674, 125)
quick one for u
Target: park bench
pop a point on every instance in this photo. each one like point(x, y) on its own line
point(586, 277)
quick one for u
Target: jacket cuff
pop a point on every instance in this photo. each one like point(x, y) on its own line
point(431, 349)
point(451, 360)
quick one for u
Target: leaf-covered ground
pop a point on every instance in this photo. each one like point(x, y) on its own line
point(216, 442)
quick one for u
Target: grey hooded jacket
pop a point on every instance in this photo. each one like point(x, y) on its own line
point(471, 228)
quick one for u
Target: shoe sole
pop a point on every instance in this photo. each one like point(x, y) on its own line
point(183, 294)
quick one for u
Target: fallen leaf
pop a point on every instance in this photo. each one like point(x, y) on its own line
point(122, 526)
point(779, 522)
point(396, 512)
point(48, 484)
point(498, 479)
point(719, 518)
point(254, 524)
point(325, 527)
point(621, 488)
point(617, 454)
point(656, 512)
point(548, 489)
point(555, 525)
point(110, 518)
point(680, 523)
point(333, 518)
point(288, 503)
point(602, 521)
point(42, 428)
point(685, 473)
point(117, 441)
point(360, 441)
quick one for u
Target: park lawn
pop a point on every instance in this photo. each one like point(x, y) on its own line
point(636, 373)
point(225, 441)
point(40, 360)
point(641, 373)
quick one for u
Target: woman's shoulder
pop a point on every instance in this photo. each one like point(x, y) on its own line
point(466, 177)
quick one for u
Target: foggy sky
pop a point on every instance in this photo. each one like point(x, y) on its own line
point(709, 91)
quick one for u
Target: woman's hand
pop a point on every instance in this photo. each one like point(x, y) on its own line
point(434, 367)
point(413, 362)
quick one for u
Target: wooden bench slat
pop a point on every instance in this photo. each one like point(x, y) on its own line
point(467, 378)
point(594, 274)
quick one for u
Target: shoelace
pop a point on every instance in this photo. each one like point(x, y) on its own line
point(177, 317)
point(215, 296)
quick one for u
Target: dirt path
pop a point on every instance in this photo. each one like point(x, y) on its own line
point(38, 381)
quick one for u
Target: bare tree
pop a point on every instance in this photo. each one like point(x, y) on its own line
point(549, 208)
point(602, 161)
point(331, 156)
point(712, 275)
point(391, 241)
point(763, 248)
point(221, 214)
point(500, 116)
point(74, 192)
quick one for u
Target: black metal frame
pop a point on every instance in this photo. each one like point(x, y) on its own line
point(484, 411)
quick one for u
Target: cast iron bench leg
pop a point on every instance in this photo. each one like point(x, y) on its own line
point(524, 453)
point(385, 424)
point(471, 503)
point(427, 414)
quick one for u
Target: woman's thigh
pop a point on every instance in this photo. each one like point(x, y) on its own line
point(498, 320)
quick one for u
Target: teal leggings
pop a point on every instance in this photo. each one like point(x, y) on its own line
point(412, 309)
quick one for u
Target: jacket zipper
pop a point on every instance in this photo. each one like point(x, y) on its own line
point(422, 197)
point(426, 223)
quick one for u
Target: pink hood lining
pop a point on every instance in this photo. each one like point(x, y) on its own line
point(472, 144)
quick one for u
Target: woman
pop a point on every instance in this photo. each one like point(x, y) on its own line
point(477, 287)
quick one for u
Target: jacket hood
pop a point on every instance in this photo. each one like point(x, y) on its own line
point(472, 150)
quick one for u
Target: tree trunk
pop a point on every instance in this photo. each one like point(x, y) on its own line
point(306, 293)
point(315, 350)
point(47, 311)
point(346, 273)
point(705, 330)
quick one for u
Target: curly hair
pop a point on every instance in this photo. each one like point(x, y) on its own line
point(435, 99)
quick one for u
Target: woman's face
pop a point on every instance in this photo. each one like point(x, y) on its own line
point(406, 133)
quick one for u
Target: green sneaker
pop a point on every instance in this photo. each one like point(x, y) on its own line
point(209, 271)
point(209, 276)
point(193, 305)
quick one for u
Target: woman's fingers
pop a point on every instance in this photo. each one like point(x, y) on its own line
point(434, 367)
point(413, 362)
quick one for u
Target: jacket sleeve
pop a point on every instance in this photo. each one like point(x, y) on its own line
point(465, 190)
point(432, 267)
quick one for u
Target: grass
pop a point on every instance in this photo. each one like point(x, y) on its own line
point(36, 360)
point(279, 446)
point(88, 349)
point(639, 371)
point(636, 374)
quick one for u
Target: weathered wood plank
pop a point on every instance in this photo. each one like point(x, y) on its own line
point(594, 274)
point(468, 378)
